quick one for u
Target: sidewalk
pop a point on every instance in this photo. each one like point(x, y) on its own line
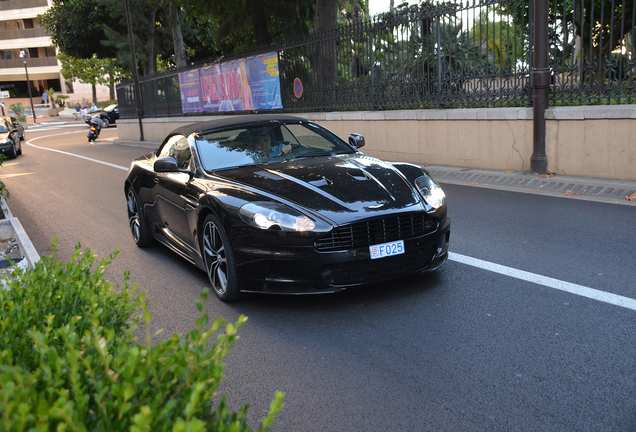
point(586, 188)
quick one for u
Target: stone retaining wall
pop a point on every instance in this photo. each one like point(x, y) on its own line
point(590, 141)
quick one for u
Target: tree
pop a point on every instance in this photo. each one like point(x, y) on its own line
point(76, 27)
point(90, 71)
point(598, 27)
point(503, 41)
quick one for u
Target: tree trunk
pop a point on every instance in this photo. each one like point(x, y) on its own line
point(177, 38)
point(323, 53)
point(259, 21)
point(152, 58)
point(94, 87)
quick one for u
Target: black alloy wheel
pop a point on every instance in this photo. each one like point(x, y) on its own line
point(219, 260)
point(136, 221)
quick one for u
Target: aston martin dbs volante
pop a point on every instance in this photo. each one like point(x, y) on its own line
point(279, 204)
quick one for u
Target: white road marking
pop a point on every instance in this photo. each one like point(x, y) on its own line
point(29, 142)
point(549, 282)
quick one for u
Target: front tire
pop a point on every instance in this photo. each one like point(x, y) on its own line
point(136, 222)
point(13, 153)
point(219, 260)
point(106, 123)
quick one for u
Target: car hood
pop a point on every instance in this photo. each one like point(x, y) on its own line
point(339, 187)
point(4, 135)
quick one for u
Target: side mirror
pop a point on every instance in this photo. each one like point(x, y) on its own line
point(356, 140)
point(168, 165)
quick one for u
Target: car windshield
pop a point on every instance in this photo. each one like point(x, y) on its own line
point(3, 128)
point(264, 143)
point(109, 108)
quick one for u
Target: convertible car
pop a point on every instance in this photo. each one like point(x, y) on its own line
point(279, 204)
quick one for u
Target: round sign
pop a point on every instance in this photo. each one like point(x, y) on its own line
point(298, 88)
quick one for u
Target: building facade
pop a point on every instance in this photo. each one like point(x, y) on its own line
point(22, 32)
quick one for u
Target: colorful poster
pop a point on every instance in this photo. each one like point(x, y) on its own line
point(262, 72)
point(190, 92)
point(241, 85)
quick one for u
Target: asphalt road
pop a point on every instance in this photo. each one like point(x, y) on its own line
point(462, 349)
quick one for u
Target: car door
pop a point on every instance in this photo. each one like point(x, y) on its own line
point(171, 201)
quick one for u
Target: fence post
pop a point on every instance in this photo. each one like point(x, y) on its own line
point(540, 79)
point(439, 65)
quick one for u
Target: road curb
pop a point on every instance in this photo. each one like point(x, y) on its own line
point(24, 242)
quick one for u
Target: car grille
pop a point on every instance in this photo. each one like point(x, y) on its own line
point(376, 231)
point(371, 271)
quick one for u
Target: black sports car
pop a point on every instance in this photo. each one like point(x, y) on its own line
point(109, 115)
point(10, 143)
point(279, 204)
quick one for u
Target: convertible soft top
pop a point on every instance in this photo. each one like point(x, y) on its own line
point(236, 120)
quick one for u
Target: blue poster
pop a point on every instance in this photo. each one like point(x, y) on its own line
point(240, 85)
point(264, 81)
point(190, 92)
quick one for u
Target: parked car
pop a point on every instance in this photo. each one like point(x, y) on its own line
point(109, 115)
point(279, 204)
point(16, 125)
point(10, 143)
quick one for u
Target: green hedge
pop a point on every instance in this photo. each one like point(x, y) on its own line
point(69, 360)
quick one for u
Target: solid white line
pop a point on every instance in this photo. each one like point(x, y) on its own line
point(71, 154)
point(571, 288)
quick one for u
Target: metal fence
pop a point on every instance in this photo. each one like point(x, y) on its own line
point(444, 55)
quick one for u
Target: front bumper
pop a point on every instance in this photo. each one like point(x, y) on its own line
point(275, 267)
point(6, 148)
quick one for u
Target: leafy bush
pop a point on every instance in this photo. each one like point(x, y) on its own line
point(17, 108)
point(60, 100)
point(69, 359)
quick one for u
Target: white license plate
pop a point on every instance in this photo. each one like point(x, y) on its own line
point(387, 249)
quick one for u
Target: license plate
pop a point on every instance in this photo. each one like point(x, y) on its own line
point(387, 249)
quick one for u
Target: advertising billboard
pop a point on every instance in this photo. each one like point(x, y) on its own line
point(249, 84)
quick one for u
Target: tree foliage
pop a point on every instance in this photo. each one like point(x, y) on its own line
point(92, 71)
point(76, 27)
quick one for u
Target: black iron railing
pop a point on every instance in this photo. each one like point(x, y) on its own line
point(444, 55)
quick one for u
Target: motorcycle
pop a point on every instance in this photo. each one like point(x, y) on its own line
point(93, 133)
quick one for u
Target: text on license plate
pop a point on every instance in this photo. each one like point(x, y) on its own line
point(387, 249)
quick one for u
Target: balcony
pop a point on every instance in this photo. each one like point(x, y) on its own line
point(22, 34)
point(21, 4)
point(31, 62)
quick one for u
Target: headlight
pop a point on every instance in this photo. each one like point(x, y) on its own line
point(431, 192)
point(268, 215)
point(5, 141)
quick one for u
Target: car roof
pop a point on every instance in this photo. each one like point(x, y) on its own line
point(237, 120)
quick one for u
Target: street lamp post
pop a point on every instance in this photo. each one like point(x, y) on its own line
point(24, 55)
